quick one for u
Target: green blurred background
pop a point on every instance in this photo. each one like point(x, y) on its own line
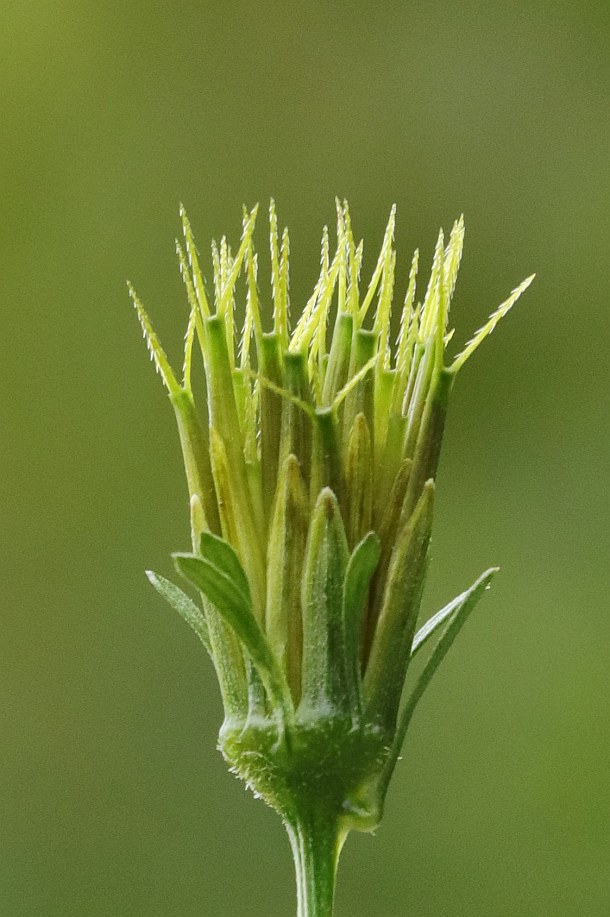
point(113, 800)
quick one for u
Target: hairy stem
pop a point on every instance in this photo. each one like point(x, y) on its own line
point(316, 841)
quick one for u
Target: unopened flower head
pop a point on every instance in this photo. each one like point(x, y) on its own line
point(311, 454)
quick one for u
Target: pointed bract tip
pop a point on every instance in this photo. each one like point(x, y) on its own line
point(427, 497)
point(293, 481)
point(490, 325)
point(292, 464)
point(327, 502)
point(360, 423)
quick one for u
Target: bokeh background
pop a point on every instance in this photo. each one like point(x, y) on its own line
point(113, 800)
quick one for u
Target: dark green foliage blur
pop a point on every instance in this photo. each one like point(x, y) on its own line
point(113, 800)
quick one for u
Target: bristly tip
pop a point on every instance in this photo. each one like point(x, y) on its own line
point(339, 277)
point(157, 354)
point(489, 326)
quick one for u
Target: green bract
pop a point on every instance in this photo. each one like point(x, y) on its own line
point(311, 457)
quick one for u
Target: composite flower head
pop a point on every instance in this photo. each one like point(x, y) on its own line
point(311, 454)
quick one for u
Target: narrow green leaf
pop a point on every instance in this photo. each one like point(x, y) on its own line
point(228, 599)
point(432, 624)
point(219, 589)
point(219, 553)
point(219, 640)
point(238, 520)
point(185, 606)
point(463, 606)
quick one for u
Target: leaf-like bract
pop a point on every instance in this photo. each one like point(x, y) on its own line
point(456, 618)
point(220, 553)
point(226, 595)
point(185, 606)
point(432, 624)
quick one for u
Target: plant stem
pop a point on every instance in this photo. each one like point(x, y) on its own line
point(316, 842)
